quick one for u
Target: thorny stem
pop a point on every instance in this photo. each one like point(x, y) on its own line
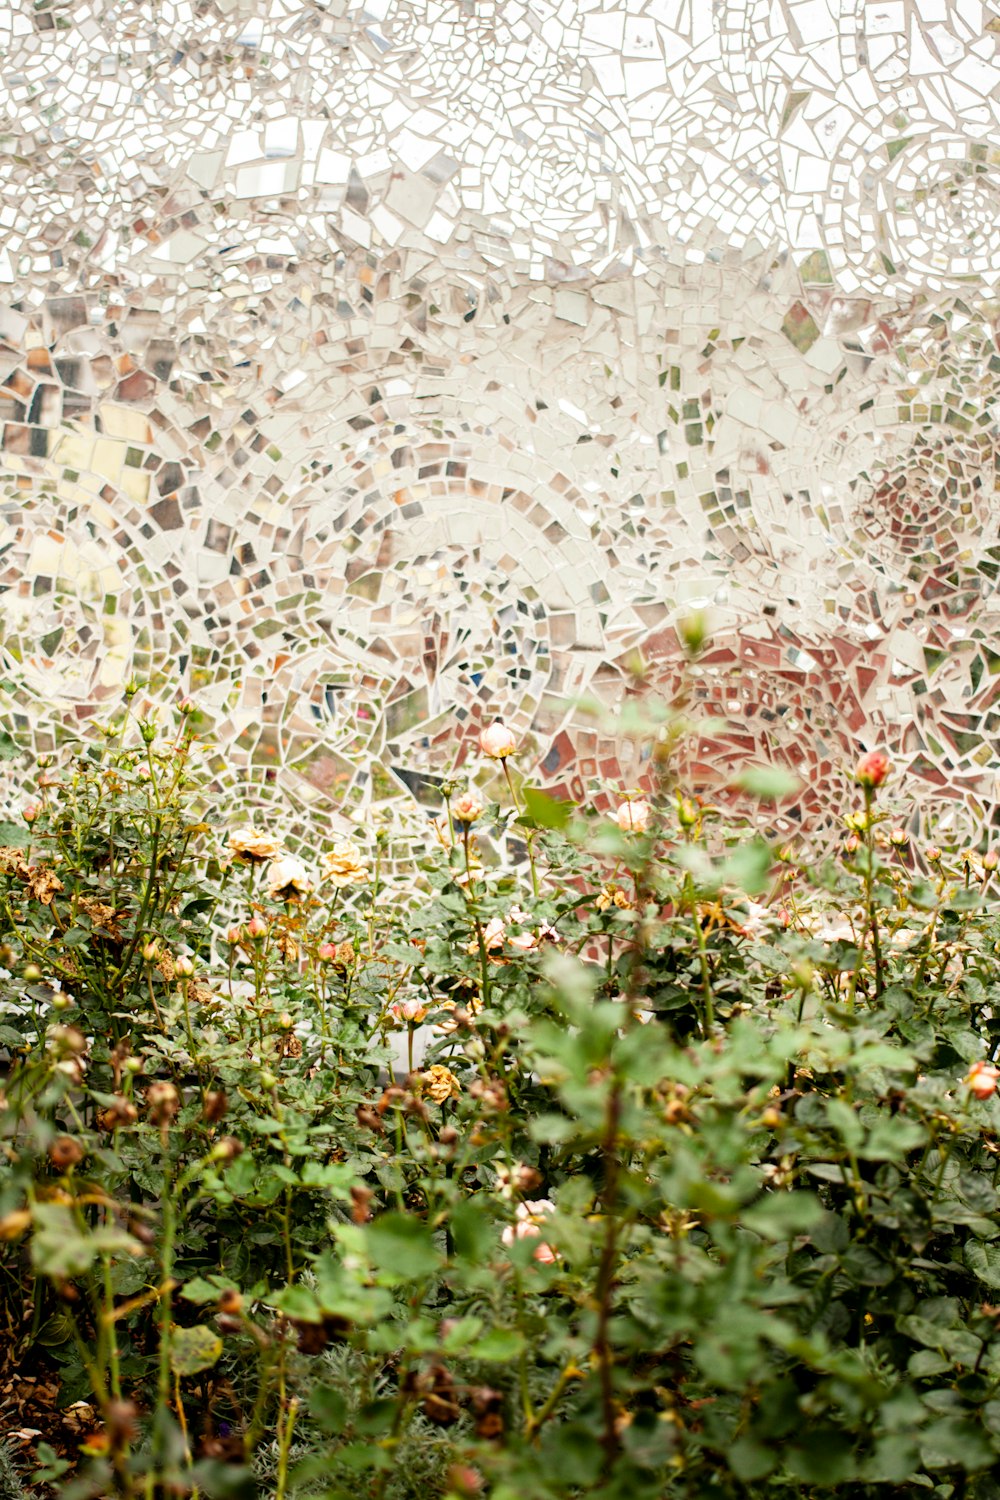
point(529, 833)
point(606, 1275)
point(869, 892)
point(480, 939)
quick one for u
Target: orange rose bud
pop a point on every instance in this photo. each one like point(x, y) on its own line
point(982, 1079)
point(872, 769)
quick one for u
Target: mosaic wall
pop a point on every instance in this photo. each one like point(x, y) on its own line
point(369, 371)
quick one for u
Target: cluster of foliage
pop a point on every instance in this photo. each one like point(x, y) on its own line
point(667, 1167)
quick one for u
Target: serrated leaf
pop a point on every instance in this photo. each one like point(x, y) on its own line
point(545, 811)
point(403, 1246)
point(500, 1344)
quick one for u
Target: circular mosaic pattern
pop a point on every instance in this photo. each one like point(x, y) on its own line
point(371, 370)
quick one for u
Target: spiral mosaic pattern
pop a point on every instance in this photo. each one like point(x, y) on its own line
point(368, 372)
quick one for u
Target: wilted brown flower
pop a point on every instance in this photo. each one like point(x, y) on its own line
point(440, 1403)
point(361, 1197)
point(122, 1112)
point(103, 916)
point(439, 1083)
point(65, 1152)
point(215, 1106)
point(163, 1101)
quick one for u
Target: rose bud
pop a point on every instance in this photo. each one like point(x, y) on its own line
point(991, 859)
point(361, 1197)
point(65, 1152)
point(464, 1481)
point(256, 927)
point(30, 812)
point(226, 1149)
point(163, 1102)
point(121, 1423)
point(982, 1079)
point(215, 1106)
point(497, 741)
point(467, 808)
point(872, 769)
point(230, 1301)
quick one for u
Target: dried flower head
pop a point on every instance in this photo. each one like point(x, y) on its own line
point(163, 1101)
point(439, 1083)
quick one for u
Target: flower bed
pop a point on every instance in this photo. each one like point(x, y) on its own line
point(685, 1185)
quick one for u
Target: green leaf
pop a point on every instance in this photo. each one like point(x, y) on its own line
point(402, 1246)
point(769, 783)
point(891, 1138)
point(14, 835)
point(750, 1460)
point(783, 1215)
point(57, 1247)
point(544, 811)
point(328, 1408)
point(984, 1261)
point(955, 1442)
point(193, 1349)
point(825, 1460)
point(473, 1233)
point(500, 1345)
point(298, 1302)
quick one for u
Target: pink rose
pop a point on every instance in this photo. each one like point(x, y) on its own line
point(529, 1216)
point(982, 1079)
point(468, 808)
point(497, 741)
point(494, 934)
point(633, 817)
point(872, 769)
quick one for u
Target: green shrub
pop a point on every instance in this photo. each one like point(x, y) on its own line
point(693, 1193)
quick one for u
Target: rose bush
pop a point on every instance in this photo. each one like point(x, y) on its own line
point(688, 1185)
